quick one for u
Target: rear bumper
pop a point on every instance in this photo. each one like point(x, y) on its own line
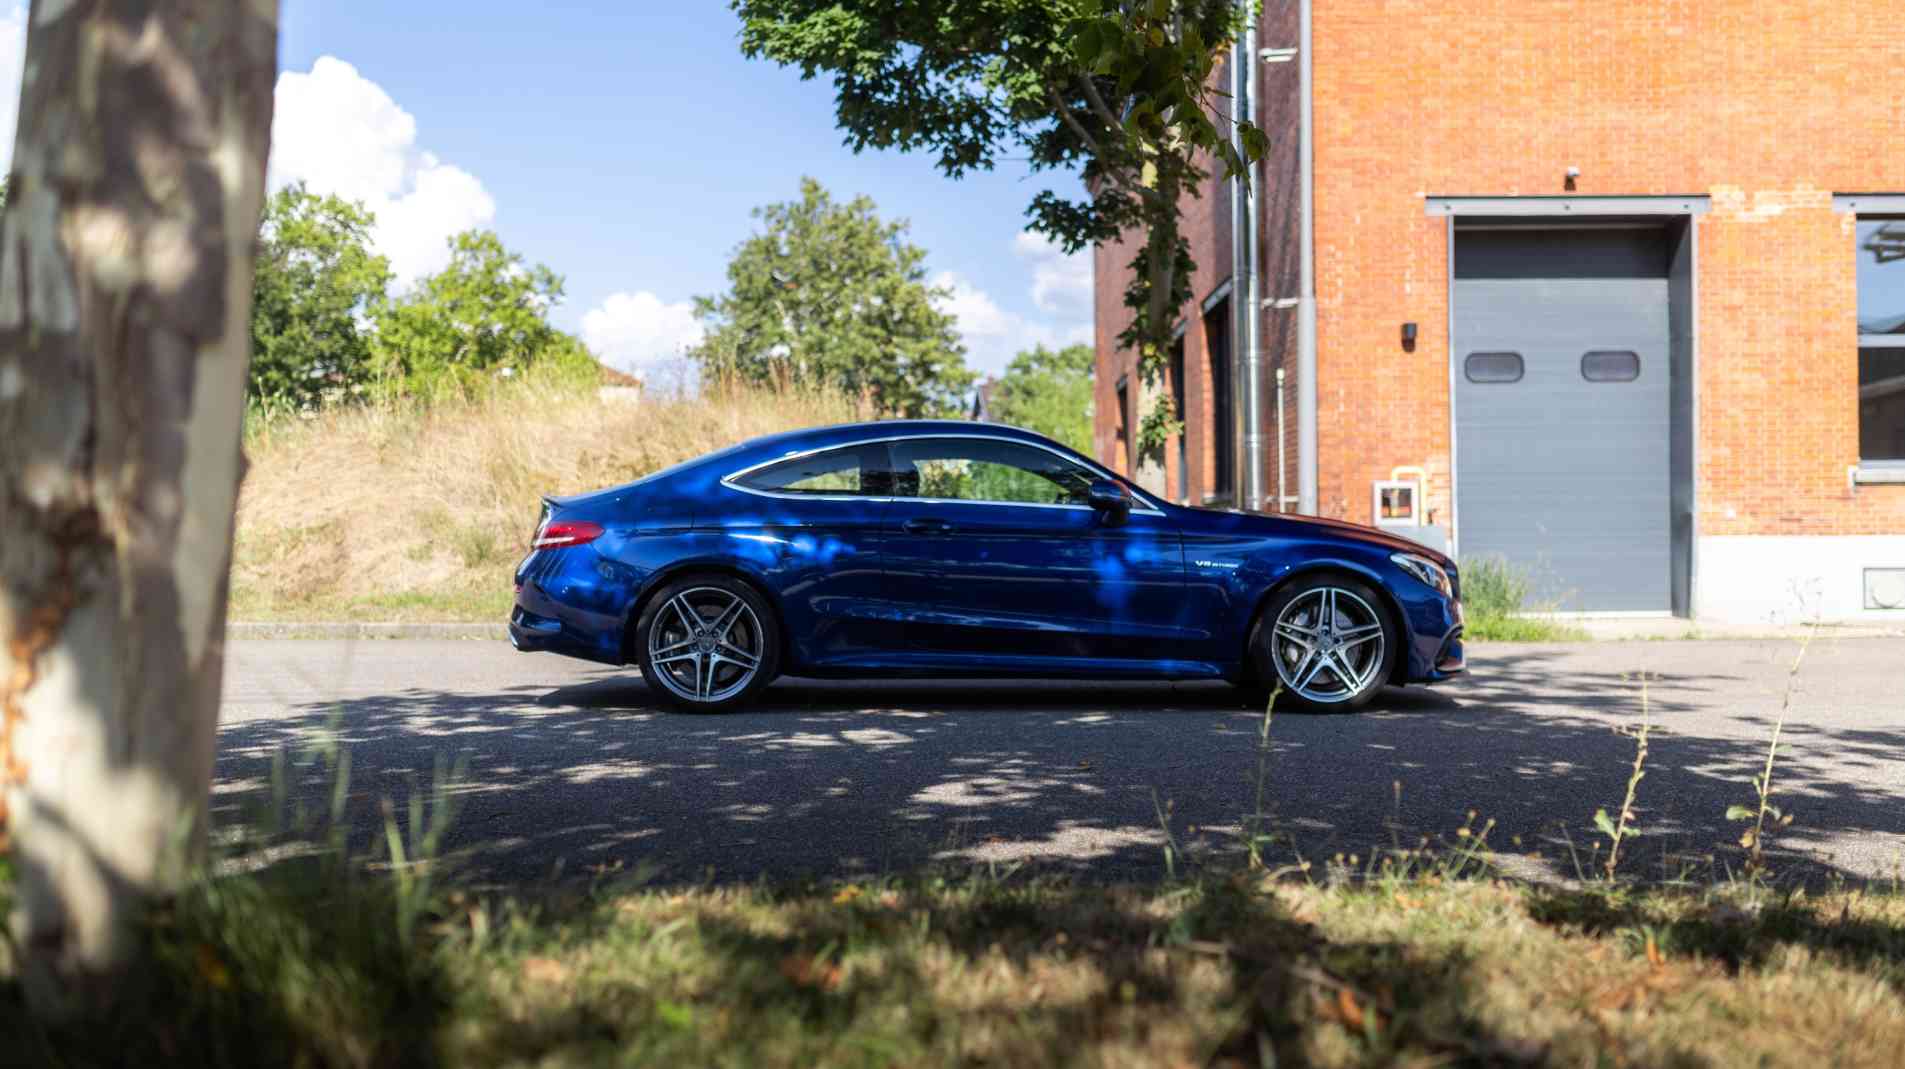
point(540, 624)
point(530, 633)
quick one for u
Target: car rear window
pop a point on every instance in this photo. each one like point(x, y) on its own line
point(850, 471)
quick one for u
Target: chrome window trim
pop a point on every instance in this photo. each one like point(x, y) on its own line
point(1149, 507)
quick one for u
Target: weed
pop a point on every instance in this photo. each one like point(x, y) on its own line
point(477, 546)
point(1617, 829)
point(1495, 596)
point(1753, 839)
point(1255, 837)
point(1171, 850)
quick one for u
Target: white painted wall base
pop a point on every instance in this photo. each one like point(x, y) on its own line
point(1781, 579)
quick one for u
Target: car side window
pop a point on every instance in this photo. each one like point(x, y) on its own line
point(987, 469)
point(853, 471)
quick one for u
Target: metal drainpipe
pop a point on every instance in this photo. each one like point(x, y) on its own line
point(1306, 295)
point(1252, 485)
point(1238, 431)
point(1283, 498)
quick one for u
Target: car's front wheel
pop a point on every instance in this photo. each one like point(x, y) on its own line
point(1327, 642)
point(707, 644)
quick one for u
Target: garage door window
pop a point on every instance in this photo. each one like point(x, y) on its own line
point(1610, 366)
point(1881, 258)
point(1492, 367)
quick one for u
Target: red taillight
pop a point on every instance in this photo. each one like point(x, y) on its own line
point(559, 533)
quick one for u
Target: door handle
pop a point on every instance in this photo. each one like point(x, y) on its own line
point(926, 526)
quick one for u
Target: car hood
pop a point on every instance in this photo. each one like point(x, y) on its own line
point(1212, 521)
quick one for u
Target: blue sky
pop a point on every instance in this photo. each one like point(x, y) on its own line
point(624, 145)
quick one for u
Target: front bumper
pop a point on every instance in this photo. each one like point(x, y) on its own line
point(1438, 654)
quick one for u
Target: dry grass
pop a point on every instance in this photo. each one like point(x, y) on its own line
point(1231, 971)
point(1424, 972)
point(402, 512)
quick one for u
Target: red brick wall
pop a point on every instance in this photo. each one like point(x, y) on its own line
point(1206, 225)
point(1769, 108)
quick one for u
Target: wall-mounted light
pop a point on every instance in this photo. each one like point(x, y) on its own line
point(1408, 337)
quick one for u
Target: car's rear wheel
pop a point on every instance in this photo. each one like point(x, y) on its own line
point(1327, 642)
point(707, 644)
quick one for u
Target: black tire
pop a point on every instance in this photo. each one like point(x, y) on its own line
point(702, 671)
point(1350, 676)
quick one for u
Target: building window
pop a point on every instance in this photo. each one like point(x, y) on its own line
point(1492, 367)
point(1881, 255)
point(1124, 425)
point(1605, 365)
point(1177, 401)
point(1222, 419)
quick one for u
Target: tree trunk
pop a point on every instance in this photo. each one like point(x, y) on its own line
point(1161, 303)
point(125, 297)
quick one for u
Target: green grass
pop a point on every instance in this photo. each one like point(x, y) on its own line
point(1494, 598)
point(485, 606)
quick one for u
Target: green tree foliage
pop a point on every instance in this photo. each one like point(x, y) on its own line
point(829, 294)
point(316, 282)
point(1120, 89)
point(1048, 391)
point(486, 312)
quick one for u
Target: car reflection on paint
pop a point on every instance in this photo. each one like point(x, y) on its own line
point(952, 549)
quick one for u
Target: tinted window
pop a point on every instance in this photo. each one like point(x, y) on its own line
point(853, 470)
point(1882, 404)
point(1882, 276)
point(1881, 259)
point(1610, 366)
point(1222, 421)
point(987, 469)
point(1492, 367)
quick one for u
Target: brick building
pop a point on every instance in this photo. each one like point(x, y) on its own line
point(1614, 290)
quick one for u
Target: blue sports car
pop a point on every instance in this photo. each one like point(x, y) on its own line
point(935, 549)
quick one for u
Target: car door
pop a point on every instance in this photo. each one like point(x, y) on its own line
point(992, 549)
point(811, 526)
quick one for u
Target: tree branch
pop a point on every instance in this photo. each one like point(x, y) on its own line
point(1098, 105)
point(1122, 180)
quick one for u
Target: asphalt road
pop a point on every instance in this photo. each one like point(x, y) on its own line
point(572, 767)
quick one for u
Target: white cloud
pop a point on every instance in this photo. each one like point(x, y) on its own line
point(993, 336)
point(12, 65)
point(1061, 283)
point(341, 133)
point(978, 314)
point(636, 330)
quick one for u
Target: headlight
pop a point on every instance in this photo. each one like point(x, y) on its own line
point(1426, 570)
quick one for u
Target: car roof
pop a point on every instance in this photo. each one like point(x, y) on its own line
point(839, 433)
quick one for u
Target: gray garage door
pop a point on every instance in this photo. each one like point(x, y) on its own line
point(1562, 340)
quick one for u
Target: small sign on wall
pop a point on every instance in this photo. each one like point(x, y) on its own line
point(1397, 502)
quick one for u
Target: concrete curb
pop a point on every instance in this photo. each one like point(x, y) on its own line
point(478, 632)
point(1694, 630)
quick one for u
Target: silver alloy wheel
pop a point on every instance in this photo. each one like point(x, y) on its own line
point(705, 644)
point(1327, 644)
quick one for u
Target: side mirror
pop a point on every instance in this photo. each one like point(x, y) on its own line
point(1109, 500)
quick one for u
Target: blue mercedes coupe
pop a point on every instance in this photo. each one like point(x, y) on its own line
point(939, 549)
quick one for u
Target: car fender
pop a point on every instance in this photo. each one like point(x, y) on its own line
point(729, 564)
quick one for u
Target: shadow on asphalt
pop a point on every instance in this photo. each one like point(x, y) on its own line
point(825, 779)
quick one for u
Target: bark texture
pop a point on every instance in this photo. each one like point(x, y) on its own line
point(125, 293)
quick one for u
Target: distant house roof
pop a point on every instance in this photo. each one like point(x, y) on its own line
point(614, 377)
point(982, 401)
